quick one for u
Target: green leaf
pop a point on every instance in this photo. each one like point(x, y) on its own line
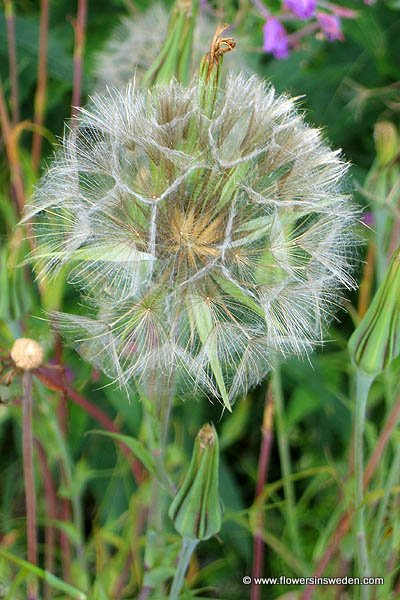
point(134, 445)
point(233, 428)
point(67, 528)
point(301, 404)
point(51, 579)
point(158, 575)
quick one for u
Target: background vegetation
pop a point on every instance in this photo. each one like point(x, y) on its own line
point(91, 496)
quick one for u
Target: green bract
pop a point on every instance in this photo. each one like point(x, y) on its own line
point(196, 510)
point(376, 341)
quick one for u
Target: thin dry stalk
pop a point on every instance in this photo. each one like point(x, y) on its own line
point(29, 477)
point(53, 383)
point(12, 58)
point(12, 154)
point(65, 514)
point(50, 497)
point(388, 428)
point(80, 28)
point(346, 520)
point(365, 289)
point(40, 96)
point(263, 464)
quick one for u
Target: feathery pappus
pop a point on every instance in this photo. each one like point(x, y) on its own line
point(206, 246)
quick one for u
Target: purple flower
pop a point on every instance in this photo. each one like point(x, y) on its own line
point(330, 25)
point(368, 219)
point(275, 38)
point(303, 9)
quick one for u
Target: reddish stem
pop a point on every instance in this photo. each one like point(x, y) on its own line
point(263, 464)
point(65, 545)
point(40, 96)
point(345, 522)
point(79, 27)
point(29, 477)
point(62, 409)
point(390, 424)
point(333, 545)
point(53, 383)
point(65, 514)
point(12, 154)
point(51, 514)
point(365, 289)
point(65, 507)
point(12, 58)
point(122, 578)
point(295, 38)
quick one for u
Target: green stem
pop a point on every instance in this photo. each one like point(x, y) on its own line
point(175, 56)
point(188, 547)
point(284, 457)
point(76, 499)
point(29, 478)
point(158, 403)
point(363, 384)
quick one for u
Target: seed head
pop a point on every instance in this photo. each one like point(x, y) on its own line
point(27, 354)
point(206, 245)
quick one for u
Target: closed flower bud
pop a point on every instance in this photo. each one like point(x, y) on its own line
point(27, 354)
point(196, 510)
point(387, 142)
point(376, 341)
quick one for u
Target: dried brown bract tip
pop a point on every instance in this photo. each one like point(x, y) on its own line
point(27, 354)
point(219, 47)
point(206, 436)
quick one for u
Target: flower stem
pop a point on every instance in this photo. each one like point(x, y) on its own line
point(284, 455)
point(188, 547)
point(363, 384)
point(12, 58)
point(76, 499)
point(80, 30)
point(263, 463)
point(389, 484)
point(50, 497)
point(345, 521)
point(40, 95)
point(29, 477)
point(51, 381)
point(158, 402)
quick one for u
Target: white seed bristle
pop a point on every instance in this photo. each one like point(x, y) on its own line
point(206, 246)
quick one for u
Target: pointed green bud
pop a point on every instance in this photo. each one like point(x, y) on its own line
point(376, 340)
point(387, 143)
point(196, 509)
point(175, 57)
